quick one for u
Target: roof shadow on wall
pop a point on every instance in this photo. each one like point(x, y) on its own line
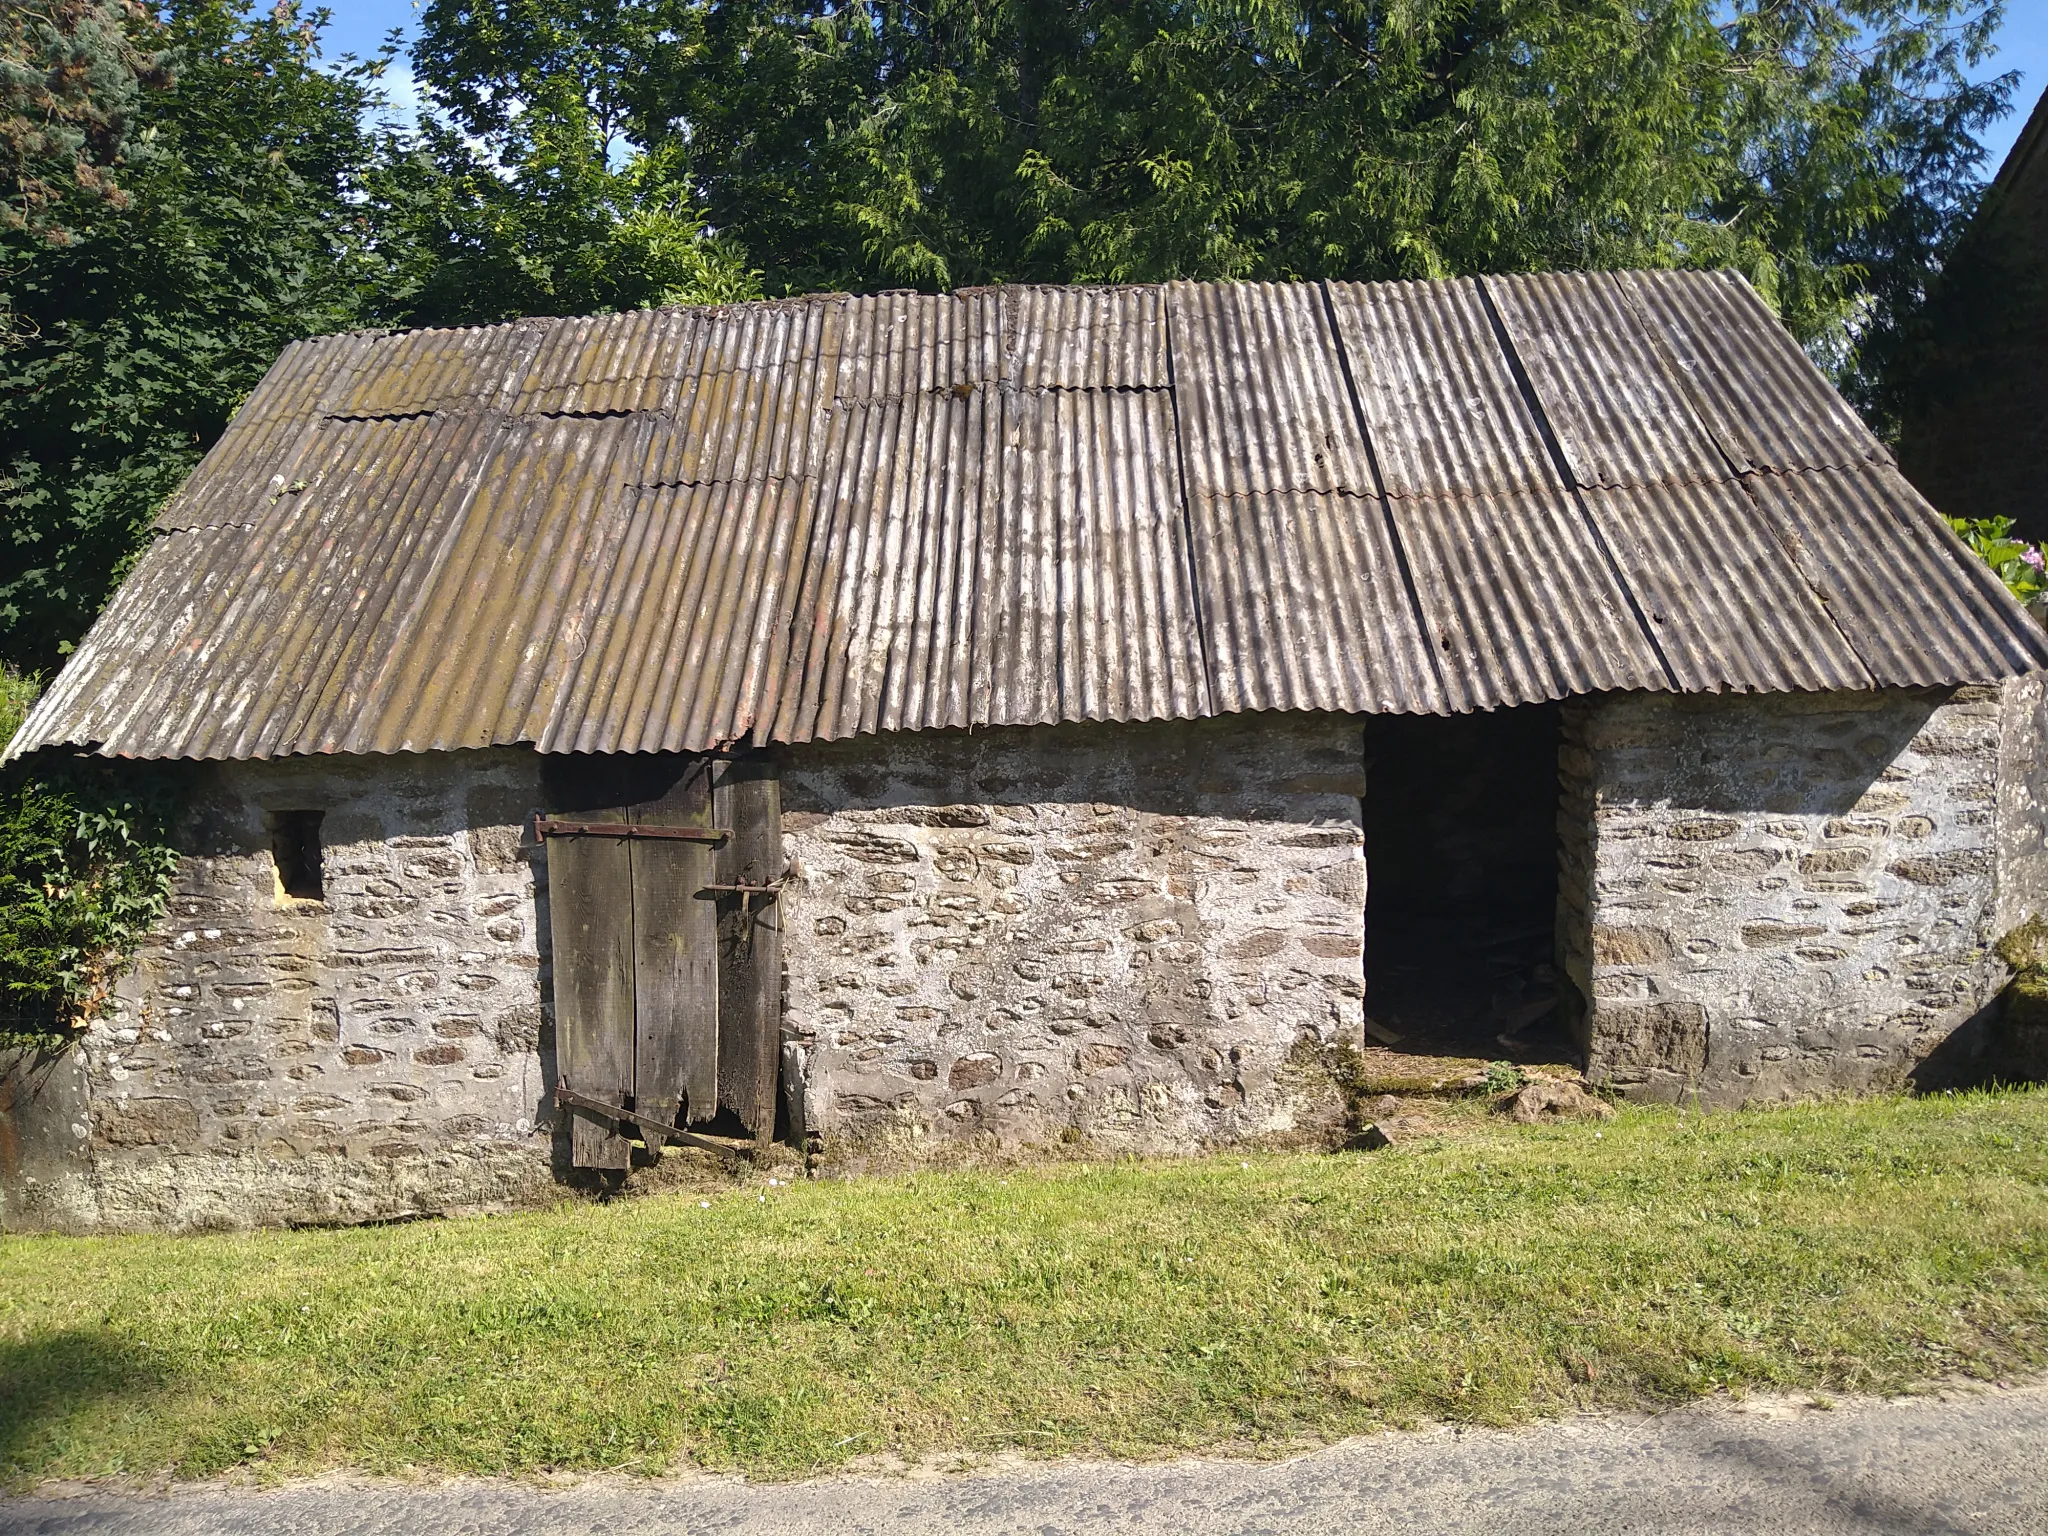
point(365, 797)
point(1272, 767)
point(1725, 758)
point(1969, 1056)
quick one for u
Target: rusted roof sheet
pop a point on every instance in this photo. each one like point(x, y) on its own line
point(1436, 392)
point(1311, 607)
point(1915, 604)
point(807, 519)
point(1617, 413)
point(1259, 385)
point(1521, 600)
point(1097, 614)
point(892, 592)
point(1765, 404)
point(1083, 338)
point(687, 621)
point(1710, 590)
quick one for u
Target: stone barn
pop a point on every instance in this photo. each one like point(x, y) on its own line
point(1974, 434)
point(1024, 715)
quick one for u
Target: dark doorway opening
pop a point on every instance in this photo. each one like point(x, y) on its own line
point(1461, 852)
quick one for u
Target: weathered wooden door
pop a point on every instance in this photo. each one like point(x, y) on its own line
point(663, 876)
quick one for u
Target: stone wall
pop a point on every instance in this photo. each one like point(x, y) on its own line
point(2023, 803)
point(1140, 932)
point(271, 1060)
point(1143, 932)
point(1764, 897)
point(1150, 935)
point(1577, 821)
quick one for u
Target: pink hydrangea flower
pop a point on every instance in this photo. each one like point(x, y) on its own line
point(2033, 557)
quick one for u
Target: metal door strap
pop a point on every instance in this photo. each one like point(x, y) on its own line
point(548, 826)
point(567, 1098)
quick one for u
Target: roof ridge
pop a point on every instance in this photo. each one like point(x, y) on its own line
point(794, 301)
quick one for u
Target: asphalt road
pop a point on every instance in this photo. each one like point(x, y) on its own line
point(1974, 1461)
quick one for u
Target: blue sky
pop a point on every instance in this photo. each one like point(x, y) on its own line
point(2023, 45)
point(359, 26)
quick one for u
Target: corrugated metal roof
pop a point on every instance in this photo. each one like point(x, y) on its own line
point(1438, 398)
point(1766, 405)
point(467, 370)
point(1083, 338)
point(893, 590)
point(687, 628)
point(1259, 385)
point(258, 455)
point(1098, 613)
point(807, 519)
point(1520, 599)
point(1308, 607)
point(1618, 415)
point(1918, 608)
point(1711, 590)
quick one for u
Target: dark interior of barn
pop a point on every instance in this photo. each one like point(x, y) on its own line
point(1461, 884)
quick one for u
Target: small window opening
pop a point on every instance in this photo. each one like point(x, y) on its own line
point(295, 845)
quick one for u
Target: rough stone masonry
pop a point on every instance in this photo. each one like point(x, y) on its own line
point(1772, 896)
point(1146, 934)
point(1140, 932)
point(269, 1060)
point(1125, 929)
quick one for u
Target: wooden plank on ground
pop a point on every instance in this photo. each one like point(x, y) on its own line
point(590, 913)
point(748, 799)
point(675, 957)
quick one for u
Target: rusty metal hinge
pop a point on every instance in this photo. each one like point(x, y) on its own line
point(550, 826)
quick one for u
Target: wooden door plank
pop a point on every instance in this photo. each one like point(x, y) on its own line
point(590, 895)
point(748, 799)
point(675, 950)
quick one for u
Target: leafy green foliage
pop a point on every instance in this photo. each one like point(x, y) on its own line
point(71, 81)
point(1504, 1077)
point(1818, 145)
point(17, 694)
point(86, 861)
point(2019, 564)
point(139, 335)
point(546, 227)
point(522, 196)
point(257, 203)
point(2025, 948)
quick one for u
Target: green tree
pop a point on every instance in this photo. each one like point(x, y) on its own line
point(185, 189)
point(72, 73)
point(520, 193)
point(945, 142)
point(137, 322)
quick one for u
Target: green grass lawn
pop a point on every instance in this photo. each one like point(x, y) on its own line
point(1124, 1308)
